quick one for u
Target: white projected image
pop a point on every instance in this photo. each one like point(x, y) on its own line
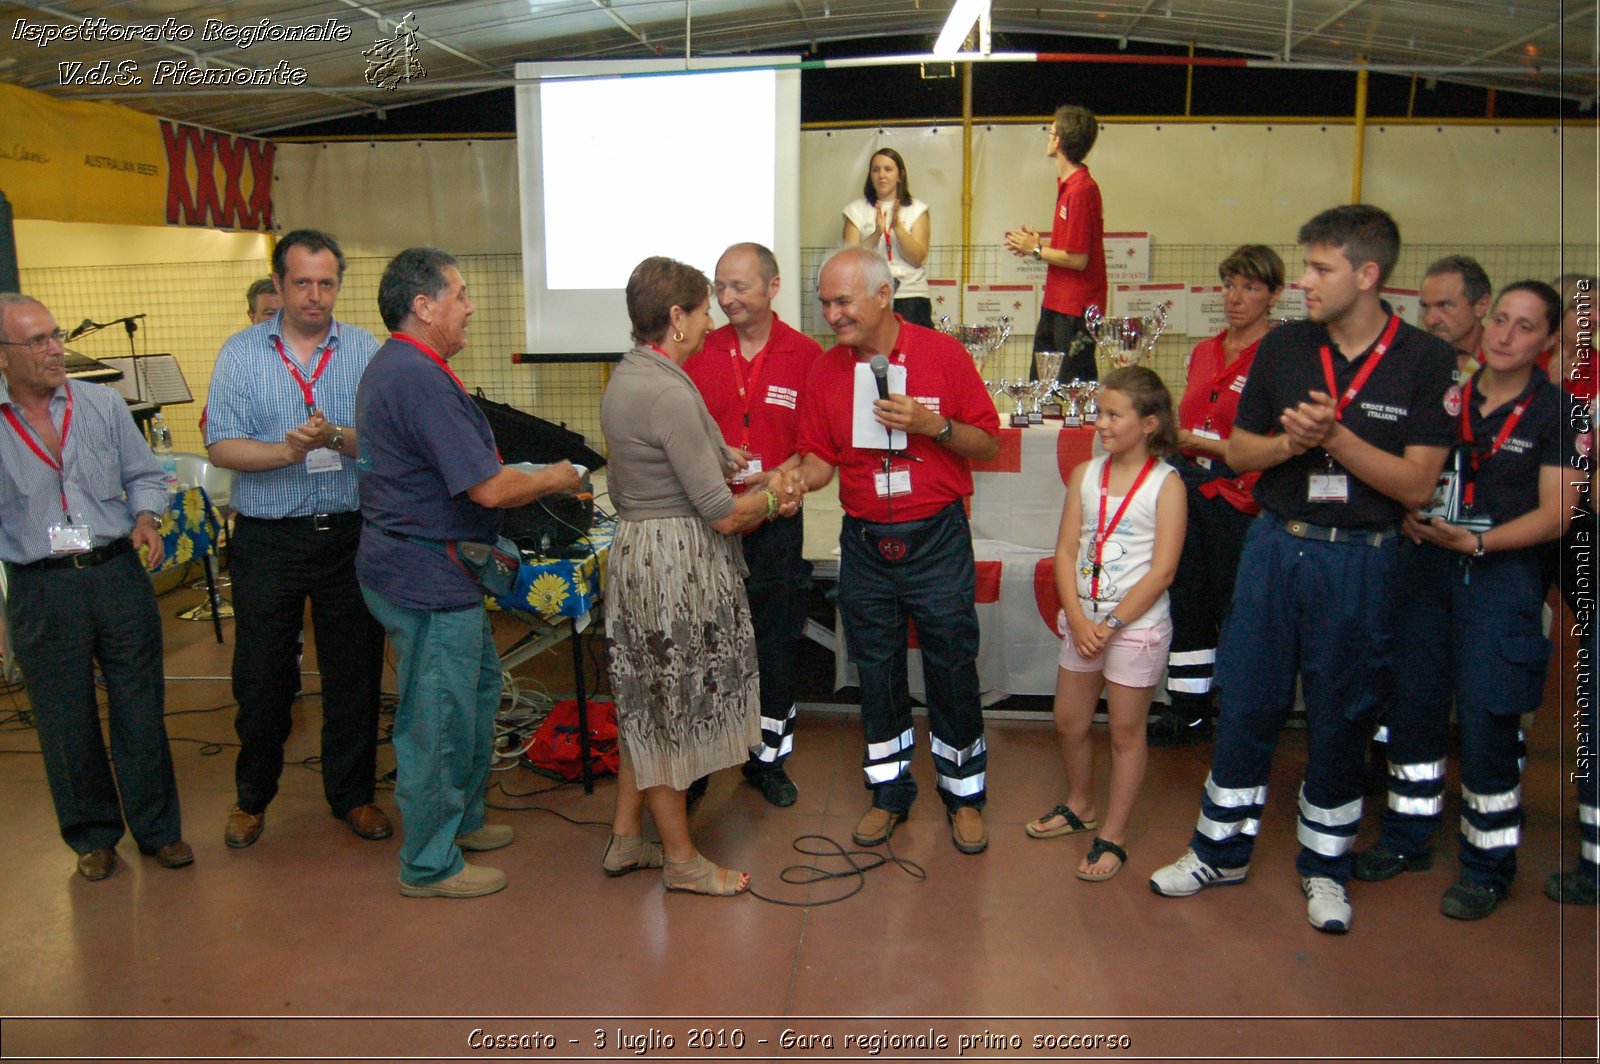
point(638, 166)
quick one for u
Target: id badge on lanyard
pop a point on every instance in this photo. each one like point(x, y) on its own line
point(65, 535)
point(893, 480)
point(1331, 485)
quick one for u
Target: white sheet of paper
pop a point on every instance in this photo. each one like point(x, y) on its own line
point(865, 430)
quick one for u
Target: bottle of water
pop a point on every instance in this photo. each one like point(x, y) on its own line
point(161, 444)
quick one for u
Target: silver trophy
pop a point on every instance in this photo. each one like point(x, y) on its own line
point(1126, 341)
point(1018, 391)
point(1072, 412)
point(1091, 402)
point(981, 341)
point(1047, 366)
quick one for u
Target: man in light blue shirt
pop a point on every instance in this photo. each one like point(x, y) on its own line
point(281, 412)
point(80, 493)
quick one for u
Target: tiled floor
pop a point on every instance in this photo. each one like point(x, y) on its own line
point(302, 946)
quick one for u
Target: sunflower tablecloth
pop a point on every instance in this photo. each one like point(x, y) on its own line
point(563, 587)
point(189, 528)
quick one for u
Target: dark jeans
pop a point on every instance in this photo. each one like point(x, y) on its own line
point(1320, 612)
point(1479, 645)
point(918, 310)
point(1066, 333)
point(921, 570)
point(63, 621)
point(277, 565)
point(776, 587)
point(1201, 592)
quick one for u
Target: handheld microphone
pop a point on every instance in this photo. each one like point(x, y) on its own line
point(880, 372)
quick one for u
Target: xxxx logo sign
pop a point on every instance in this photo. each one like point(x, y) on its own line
point(216, 180)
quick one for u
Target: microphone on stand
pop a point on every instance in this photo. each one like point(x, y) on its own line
point(83, 326)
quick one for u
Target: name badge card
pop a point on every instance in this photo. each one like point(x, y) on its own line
point(751, 470)
point(895, 482)
point(66, 538)
point(865, 431)
point(323, 460)
point(1329, 487)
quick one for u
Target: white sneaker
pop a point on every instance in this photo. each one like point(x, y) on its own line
point(1189, 875)
point(1327, 905)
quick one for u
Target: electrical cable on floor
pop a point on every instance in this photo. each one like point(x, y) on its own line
point(521, 712)
point(807, 874)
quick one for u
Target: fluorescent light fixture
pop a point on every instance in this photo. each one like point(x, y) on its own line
point(962, 16)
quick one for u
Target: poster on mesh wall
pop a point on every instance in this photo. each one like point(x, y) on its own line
point(1127, 257)
point(1407, 302)
point(988, 303)
point(945, 296)
point(1022, 269)
point(1138, 300)
point(1206, 316)
point(1290, 305)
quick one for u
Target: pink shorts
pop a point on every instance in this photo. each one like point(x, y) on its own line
point(1133, 657)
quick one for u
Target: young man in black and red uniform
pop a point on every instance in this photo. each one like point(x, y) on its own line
point(1075, 258)
point(751, 373)
point(1348, 417)
point(902, 445)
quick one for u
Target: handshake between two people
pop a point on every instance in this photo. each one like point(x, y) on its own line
point(787, 484)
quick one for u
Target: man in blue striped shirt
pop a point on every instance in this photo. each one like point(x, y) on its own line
point(281, 412)
point(80, 493)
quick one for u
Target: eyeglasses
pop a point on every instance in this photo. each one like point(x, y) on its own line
point(38, 345)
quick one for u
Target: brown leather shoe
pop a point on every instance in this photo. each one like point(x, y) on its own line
point(97, 864)
point(243, 828)
point(369, 822)
point(966, 830)
point(175, 855)
point(876, 826)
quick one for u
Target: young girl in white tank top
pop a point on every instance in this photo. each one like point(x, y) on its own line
point(1121, 534)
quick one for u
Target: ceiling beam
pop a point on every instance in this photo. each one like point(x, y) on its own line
point(1330, 20)
point(385, 23)
point(1548, 27)
point(638, 35)
point(1122, 38)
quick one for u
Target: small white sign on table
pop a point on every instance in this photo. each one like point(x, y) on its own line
point(1291, 304)
point(946, 299)
point(1022, 269)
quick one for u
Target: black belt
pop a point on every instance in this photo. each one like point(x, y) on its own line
point(1322, 533)
point(85, 560)
point(314, 523)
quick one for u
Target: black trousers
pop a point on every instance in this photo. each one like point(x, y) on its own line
point(277, 565)
point(1066, 333)
point(776, 586)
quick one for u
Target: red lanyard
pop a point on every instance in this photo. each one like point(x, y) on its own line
point(1366, 371)
point(44, 456)
point(432, 354)
point(1474, 458)
point(750, 387)
point(294, 371)
point(1102, 531)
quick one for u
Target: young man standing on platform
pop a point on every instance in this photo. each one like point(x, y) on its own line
point(1075, 258)
point(1348, 416)
point(751, 373)
point(900, 412)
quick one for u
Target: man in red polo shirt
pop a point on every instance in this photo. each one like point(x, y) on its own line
point(905, 546)
point(1075, 258)
point(751, 373)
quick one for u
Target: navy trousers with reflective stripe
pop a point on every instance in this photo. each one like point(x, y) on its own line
point(1201, 592)
point(922, 570)
point(776, 587)
point(1319, 611)
point(1474, 636)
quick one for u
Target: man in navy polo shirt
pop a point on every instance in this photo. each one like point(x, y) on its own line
point(280, 412)
point(905, 545)
point(431, 476)
point(1347, 415)
point(751, 373)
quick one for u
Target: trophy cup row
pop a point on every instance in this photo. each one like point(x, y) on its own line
point(1119, 341)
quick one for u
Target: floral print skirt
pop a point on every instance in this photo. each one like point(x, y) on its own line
point(683, 657)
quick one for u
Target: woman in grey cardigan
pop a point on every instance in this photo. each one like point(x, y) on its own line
point(683, 663)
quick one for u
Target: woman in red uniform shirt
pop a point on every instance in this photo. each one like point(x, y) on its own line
point(1221, 503)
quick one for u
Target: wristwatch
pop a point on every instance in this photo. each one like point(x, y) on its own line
point(337, 443)
point(1115, 623)
point(1480, 551)
point(944, 433)
point(1038, 252)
